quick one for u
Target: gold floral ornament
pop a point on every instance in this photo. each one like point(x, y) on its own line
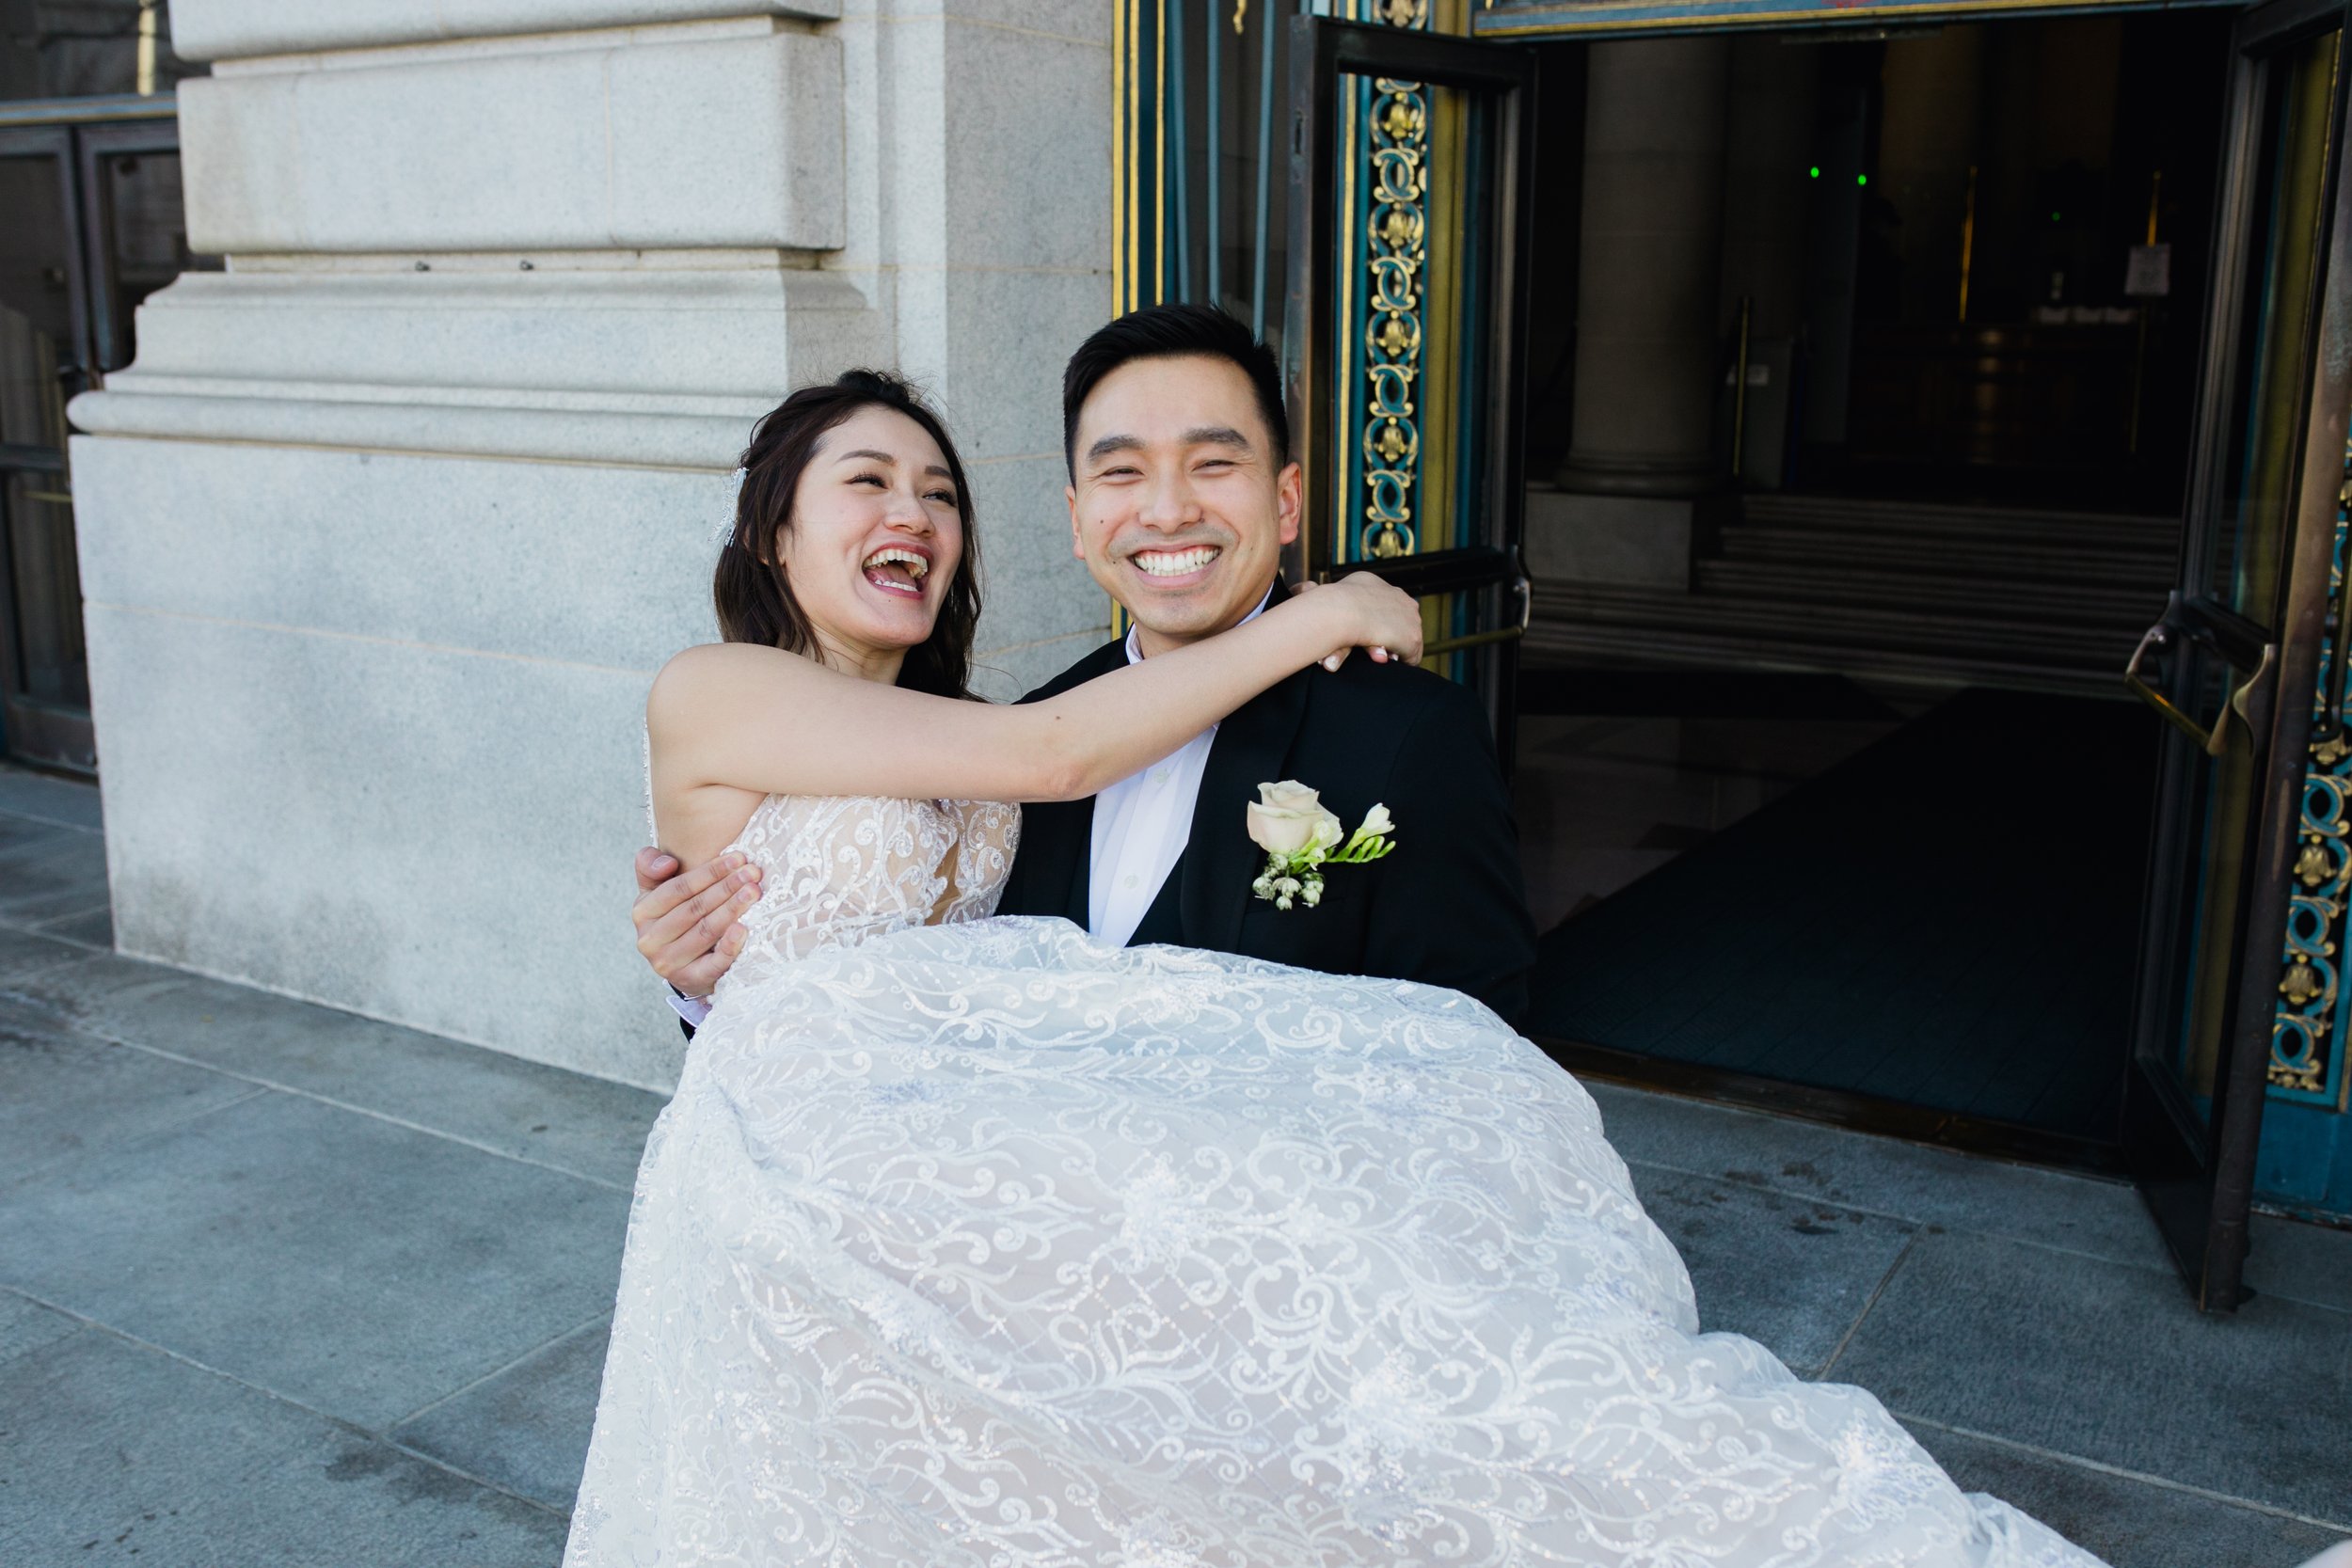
point(1300, 836)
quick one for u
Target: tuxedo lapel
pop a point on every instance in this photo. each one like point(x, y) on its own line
point(1058, 836)
point(1221, 861)
point(1162, 922)
point(1080, 830)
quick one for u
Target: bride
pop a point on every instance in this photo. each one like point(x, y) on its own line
point(971, 1241)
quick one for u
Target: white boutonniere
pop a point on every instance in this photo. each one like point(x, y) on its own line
point(1300, 836)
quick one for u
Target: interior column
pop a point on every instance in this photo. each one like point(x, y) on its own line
point(1642, 451)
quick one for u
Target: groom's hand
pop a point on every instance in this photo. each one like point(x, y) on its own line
point(690, 922)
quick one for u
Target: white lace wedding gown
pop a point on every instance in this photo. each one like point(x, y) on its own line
point(971, 1243)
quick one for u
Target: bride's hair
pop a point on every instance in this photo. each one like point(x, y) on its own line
point(749, 589)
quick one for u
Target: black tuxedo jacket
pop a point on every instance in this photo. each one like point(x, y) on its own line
point(1446, 906)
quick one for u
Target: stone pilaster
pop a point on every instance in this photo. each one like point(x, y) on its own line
point(387, 528)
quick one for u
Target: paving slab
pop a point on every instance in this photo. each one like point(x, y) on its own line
point(2300, 1262)
point(573, 1122)
point(111, 1453)
point(63, 1093)
point(44, 797)
point(1882, 1176)
point(527, 1428)
point(2112, 1363)
point(360, 1268)
point(26, 1326)
point(90, 929)
point(48, 872)
point(1795, 1275)
point(21, 952)
point(2133, 1524)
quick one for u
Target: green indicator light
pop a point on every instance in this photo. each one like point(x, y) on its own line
point(2053, 217)
point(1861, 179)
point(1815, 173)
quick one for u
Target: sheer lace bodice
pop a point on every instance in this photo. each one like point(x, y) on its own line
point(839, 870)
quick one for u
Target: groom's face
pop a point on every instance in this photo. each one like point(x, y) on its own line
point(1179, 506)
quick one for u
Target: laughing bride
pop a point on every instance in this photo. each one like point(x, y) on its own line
point(971, 1241)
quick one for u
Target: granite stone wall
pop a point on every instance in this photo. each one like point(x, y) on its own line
point(389, 525)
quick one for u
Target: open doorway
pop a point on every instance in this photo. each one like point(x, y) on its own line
point(1861, 375)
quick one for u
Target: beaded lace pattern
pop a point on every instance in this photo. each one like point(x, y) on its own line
point(839, 870)
point(973, 1243)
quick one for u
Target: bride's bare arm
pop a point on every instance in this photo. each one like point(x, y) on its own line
point(741, 717)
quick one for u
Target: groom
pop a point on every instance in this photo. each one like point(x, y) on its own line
point(1182, 492)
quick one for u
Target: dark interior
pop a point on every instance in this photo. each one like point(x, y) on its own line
point(1863, 808)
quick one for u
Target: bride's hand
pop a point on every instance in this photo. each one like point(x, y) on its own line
point(1368, 612)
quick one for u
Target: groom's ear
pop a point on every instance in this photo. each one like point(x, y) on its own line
point(1077, 538)
point(1289, 501)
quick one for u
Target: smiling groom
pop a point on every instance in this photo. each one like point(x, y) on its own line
point(1182, 495)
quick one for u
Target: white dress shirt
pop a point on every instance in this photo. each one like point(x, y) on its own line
point(1141, 825)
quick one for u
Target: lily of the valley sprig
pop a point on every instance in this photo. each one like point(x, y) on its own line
point(1300, 836)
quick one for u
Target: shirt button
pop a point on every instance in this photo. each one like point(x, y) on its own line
point(1159, 775)
point(1132, 879)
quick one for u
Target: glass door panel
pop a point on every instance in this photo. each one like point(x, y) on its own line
point(1409, 182)
point(96, 224)
point(44, 673)
point(2236, 655)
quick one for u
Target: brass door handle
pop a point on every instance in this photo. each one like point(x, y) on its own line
point(1526, 592)
point(2241, 699)
point(2243, 702)
point(2158, 638)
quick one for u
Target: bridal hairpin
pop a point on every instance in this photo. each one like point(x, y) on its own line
point(735, 504)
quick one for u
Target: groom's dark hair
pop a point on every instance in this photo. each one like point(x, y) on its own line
point(1168, 332)
point(750, 590)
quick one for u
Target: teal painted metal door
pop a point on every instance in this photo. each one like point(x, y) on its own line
point(1409, 180)
point(2243, 648)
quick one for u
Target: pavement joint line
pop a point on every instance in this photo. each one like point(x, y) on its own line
point(101, 1034)
point(2059, 1456)
point(1945, 1227)
point(168, 970)
point(42, 929)
point(1854, 1327)
point(11, 1185)
point(435, 1403)
point(51, 821)
point(339, 1422)
point(41, 966)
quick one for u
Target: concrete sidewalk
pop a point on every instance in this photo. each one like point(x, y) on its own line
point(283, 1286)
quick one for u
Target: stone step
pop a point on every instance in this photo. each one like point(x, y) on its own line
point(1595, 643)
point(1945, 555)
point(1835, 635)
point(2099, 601)
point(2134, 533)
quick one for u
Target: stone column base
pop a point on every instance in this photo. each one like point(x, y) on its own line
point(1629, 541)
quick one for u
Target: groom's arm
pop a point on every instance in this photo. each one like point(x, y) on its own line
point(1451, 907)
point(689, 926)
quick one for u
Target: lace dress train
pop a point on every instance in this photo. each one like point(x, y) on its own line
point(978, 1243)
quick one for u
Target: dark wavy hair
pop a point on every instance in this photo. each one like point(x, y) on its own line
point(750, 589)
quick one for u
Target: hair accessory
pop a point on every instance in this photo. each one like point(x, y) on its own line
point(735, 504)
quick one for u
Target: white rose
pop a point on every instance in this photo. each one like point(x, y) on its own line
point(1288, 818)
point(1290, 795)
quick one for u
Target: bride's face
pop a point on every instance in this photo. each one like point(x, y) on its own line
point(875, 537)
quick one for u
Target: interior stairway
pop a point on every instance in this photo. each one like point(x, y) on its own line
point(1901, 591)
